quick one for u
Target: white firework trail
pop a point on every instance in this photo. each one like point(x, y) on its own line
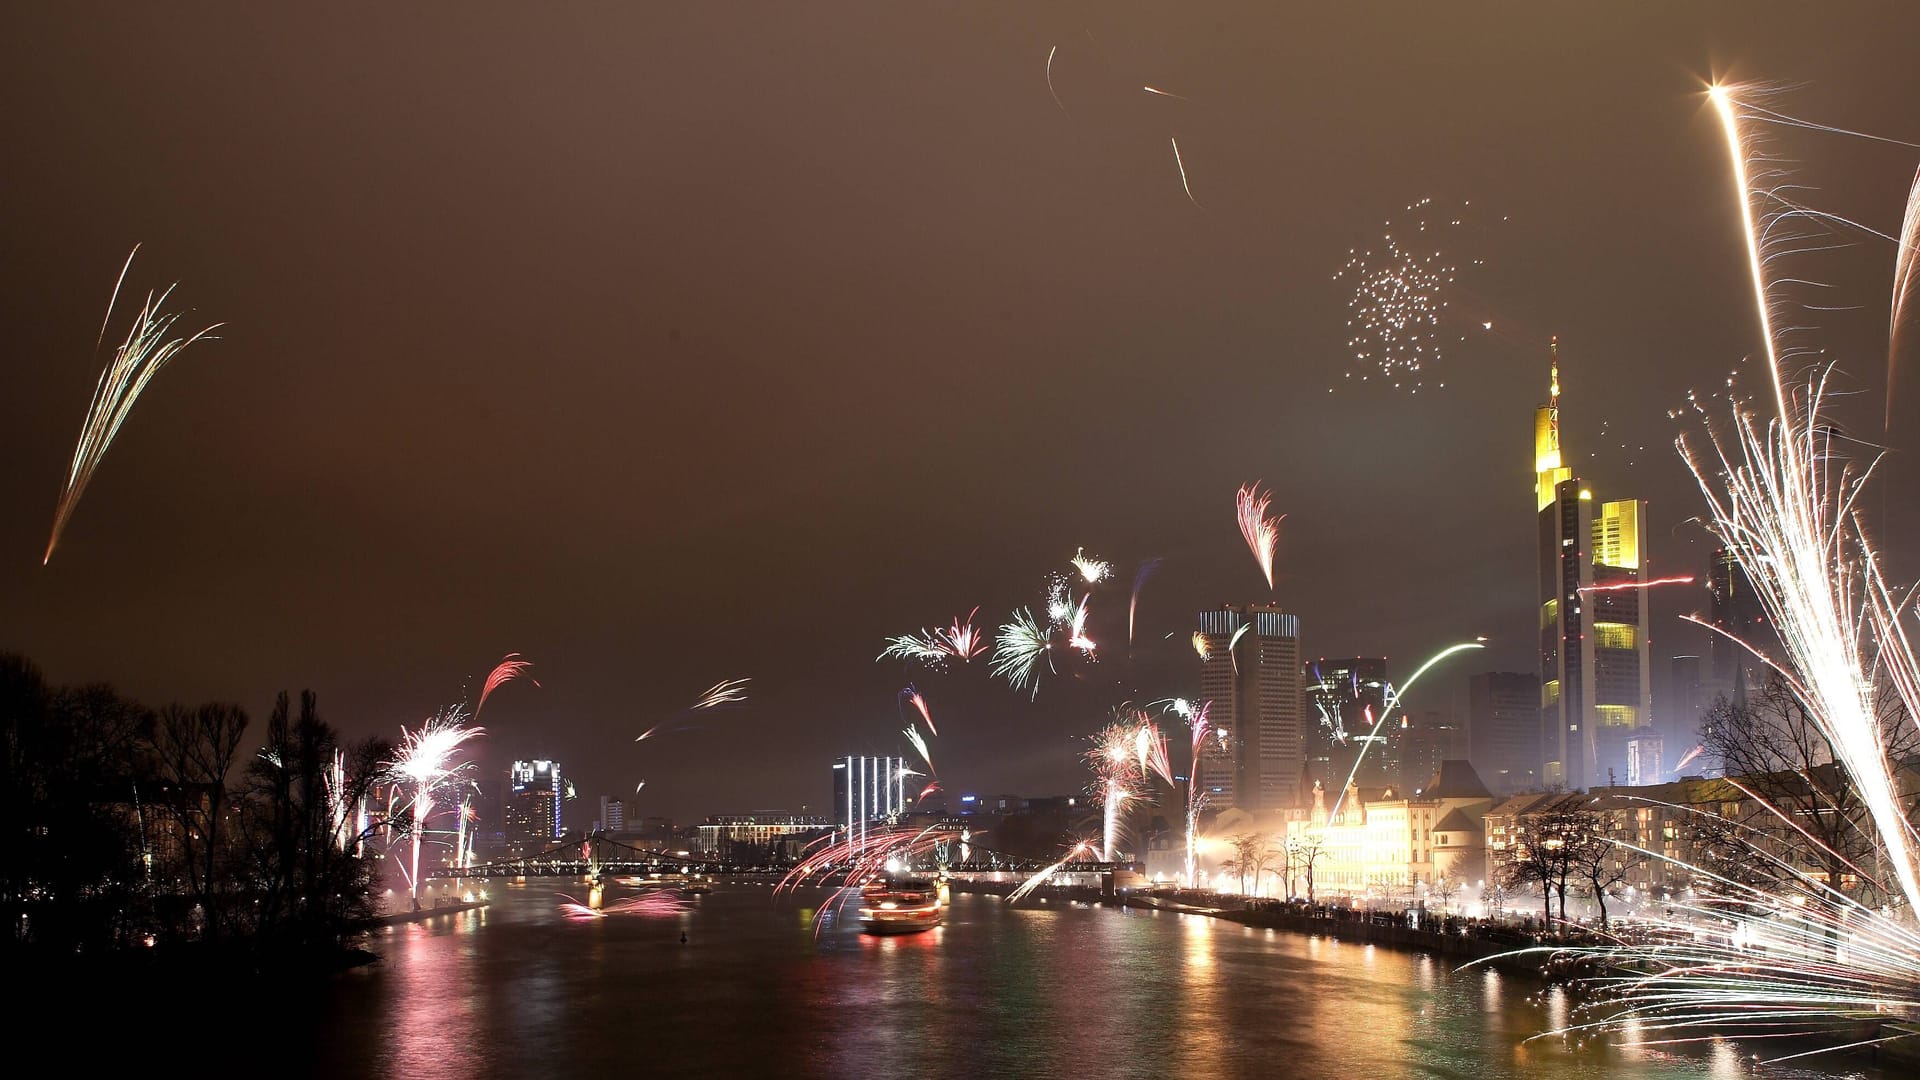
point(1056, 96)
point(1083, 848)
point(1180, 164)
point(145, 351)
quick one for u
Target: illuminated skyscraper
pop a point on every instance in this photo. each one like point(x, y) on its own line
point(1344, 699)
point(1251, 674)
point(868, 792)
point(1596, 701)
point(1735, 610)
point(532, 811)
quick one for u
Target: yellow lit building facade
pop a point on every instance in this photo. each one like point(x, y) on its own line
point(1596, 700)
point(1382, 842)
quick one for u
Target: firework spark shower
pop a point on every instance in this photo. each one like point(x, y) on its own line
point(146, 350)
point(1261, 532)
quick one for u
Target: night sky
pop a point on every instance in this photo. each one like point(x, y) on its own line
point(667, 343)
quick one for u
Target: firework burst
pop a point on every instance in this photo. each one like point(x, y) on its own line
point(510, 667)
point(1019, 651)
point(724, 692)
point(935, 648)
point(1401, 285)
point(1120, 758)
point(423, 767)
point(1262, 533)
point(1093, 571)
point(146, 349)
point(1792, 955)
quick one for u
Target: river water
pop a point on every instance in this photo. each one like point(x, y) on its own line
point(519, 990)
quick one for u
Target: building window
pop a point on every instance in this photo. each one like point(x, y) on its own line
point(1613, 635)
point(1618, 715)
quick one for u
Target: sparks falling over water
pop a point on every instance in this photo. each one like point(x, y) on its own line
point(423, 767)
point(1791, 528)
point(1791, 955)
point(1083, 849)
point(1262, 533)
point(146, 349)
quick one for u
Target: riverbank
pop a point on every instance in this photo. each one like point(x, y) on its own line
point(452, 908)
point(1509, 953)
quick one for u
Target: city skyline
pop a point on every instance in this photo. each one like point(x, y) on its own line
point(472, 325)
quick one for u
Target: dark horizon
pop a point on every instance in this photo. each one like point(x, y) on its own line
point(671, 346)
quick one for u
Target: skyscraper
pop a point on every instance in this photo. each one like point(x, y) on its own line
point(1628, 749)
point(532, 811)
point(1251, 673)
point(1344, 700)
point(1735, 610)
point(613, 814)
point(867, 791)
point(1596, 700)
point(1503, 730)
point(1422, 741)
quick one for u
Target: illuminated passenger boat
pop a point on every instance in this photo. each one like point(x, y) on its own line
point(900, 909)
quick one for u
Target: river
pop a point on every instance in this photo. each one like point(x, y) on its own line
point(518, 990)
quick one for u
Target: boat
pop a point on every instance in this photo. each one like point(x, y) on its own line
point(888, 907)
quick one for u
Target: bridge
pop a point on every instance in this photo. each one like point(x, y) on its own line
point(598, 856)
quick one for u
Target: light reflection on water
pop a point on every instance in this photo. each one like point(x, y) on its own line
point(1054, 991)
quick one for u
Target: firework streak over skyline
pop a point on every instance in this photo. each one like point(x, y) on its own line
point(145, 351)
point(1787, 515)
point(1262, 533)
point(419, 443)
point(424, 768)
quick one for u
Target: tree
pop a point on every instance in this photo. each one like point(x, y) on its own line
point(195, 751)
point(1773, 745)
point(1252, 853)
point(1540, 855)
point(1307, 850)
point(1444, 888)
point(71, 763)
point(1599, 863)
point(1494, 897)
